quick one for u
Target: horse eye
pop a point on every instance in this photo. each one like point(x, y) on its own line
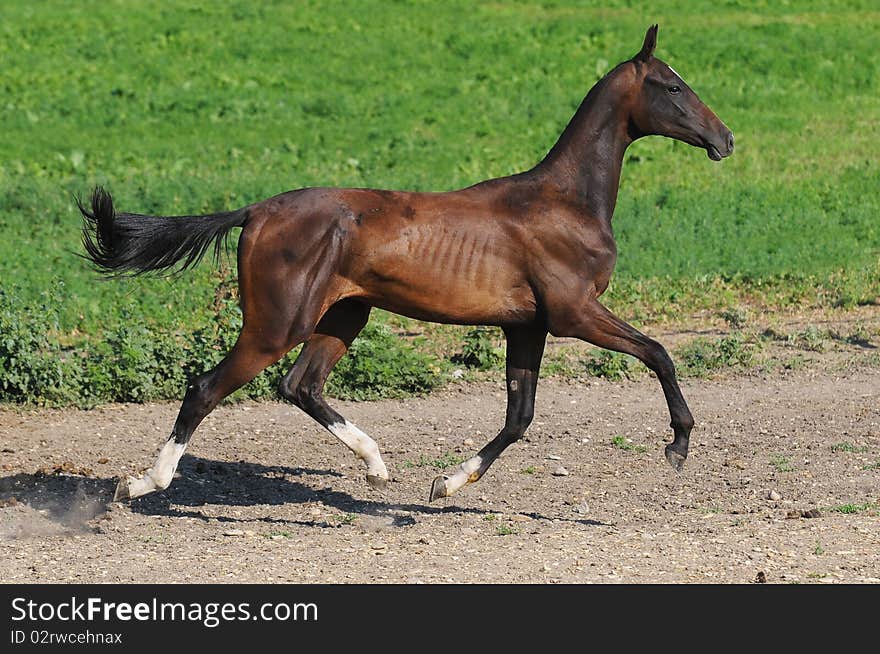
point(674, 90)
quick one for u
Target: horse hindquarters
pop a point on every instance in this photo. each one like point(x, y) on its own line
point(284, 291)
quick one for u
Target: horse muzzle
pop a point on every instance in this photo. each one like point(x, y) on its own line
point(723, 147)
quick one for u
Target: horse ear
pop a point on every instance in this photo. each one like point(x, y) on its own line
point(649, 44)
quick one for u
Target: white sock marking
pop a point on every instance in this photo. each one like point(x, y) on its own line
point(160, 475)
point(362, 445)
point(462, 474)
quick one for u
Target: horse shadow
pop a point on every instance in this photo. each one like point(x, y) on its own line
point(71, 501)
point(202, 481)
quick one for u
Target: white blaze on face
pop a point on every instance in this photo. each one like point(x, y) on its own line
point(362, 445)
point(462, 475)
point(160, 475)
point(674, 72)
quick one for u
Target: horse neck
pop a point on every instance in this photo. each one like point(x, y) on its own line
point(586, 161)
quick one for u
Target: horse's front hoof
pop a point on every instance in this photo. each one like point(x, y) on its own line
point(377, 482)
point(675, 459)
point(122, 493)
point(438, 489)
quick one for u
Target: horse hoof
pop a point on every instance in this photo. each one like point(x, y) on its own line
point(122, 493)
point(438, 489)
point(377, 482)
point(675, 459)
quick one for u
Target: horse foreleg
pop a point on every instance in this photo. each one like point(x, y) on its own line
point(525, 348)
point(600, 327)
point(303, 385)
point(251, 354)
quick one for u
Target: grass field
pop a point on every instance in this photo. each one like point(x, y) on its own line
point(191, 107)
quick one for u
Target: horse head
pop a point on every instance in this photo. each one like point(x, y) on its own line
point(665, 105)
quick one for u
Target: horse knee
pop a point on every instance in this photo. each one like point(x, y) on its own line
point(198, 393)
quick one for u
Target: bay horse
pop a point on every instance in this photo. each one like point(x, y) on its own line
point(530, 253)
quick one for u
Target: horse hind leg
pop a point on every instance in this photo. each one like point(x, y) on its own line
point(303, 385)
point(253, 352)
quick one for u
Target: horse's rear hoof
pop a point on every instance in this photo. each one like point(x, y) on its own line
point(675, 459)
point(122, 493)
point(377, 482)
point(438, 489)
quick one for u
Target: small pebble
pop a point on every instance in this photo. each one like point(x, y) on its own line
point(468, 442)
point(553, 457)
point(559, 471)
point(774, 495)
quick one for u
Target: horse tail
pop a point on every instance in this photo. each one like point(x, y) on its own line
point(132, 244)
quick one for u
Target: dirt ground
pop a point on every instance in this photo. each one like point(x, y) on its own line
point(265, 495)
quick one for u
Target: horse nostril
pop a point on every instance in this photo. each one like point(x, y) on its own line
point(730, 142)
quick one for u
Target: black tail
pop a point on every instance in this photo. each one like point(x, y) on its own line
point(131, 244)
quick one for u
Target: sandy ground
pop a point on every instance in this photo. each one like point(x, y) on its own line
point(265, 495)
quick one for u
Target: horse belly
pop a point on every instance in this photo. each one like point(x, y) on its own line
point(444, 275)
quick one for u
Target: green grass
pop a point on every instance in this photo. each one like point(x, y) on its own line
point(447, 460)
point(191, 107)
point(613, 366)
point(702, 356)
point(852, 508)
point(620, 442)
point(505, 530)
point(872, 466)
point(848, 447)
point(781, 463)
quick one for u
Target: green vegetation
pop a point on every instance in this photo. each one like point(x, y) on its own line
point(378, 364)
point(613, 366)
point(848, 447)
point(448, 460)
point(852, 508)
point(781, 463)
point(505, 530)
point(622, 443)
point(192, 107)
point(702, 356)
point(132, 363)
point(479, 350)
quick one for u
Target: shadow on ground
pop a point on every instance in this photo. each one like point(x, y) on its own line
point(59, 503)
